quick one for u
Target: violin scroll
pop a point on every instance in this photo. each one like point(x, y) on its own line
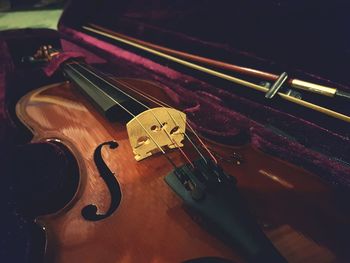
point(43, 55)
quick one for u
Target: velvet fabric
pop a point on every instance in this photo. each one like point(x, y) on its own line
point(57, 61)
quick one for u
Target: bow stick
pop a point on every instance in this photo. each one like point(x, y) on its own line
point(155, 50)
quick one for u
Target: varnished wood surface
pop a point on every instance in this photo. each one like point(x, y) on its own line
point(296, 210)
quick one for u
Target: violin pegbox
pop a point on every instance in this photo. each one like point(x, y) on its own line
point(154, 129)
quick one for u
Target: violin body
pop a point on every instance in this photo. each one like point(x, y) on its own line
point(149, 210)
point(151, 223)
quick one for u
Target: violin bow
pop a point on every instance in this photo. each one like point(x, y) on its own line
point(173, 55)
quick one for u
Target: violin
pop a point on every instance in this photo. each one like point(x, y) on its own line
point(153, 189)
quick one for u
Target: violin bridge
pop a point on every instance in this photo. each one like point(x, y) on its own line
point(154, 129)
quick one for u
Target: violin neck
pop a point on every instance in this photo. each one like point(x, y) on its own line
point(105, 94)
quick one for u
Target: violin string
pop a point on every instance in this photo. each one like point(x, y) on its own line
point(161, 126)
point(129, 112)
point(144, 105)
point(164, 105)
point(159, 102)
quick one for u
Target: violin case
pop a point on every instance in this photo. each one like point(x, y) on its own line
point(307, 39)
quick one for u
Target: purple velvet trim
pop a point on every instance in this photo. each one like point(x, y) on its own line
point(116, 52)
point(89, 57)
point(57, 61)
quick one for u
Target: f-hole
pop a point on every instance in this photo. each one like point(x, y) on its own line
point(89, 212)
